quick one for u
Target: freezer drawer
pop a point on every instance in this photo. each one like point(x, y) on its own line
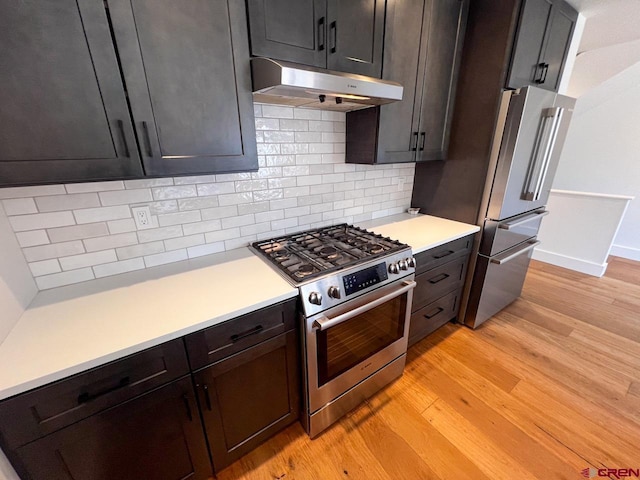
point(498, 236)
point(497, 282)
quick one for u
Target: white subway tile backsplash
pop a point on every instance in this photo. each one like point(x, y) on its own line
point(163, 233)
point(111, 241)
point(124, 198)
point(198, 203)
point(19, 206)
point(177, 191)
point(184, 242)
point(121, 226)
point(24, 192)
point(140, 250)
point(201, 227)
point(166, 257)
point(38, 221)
point(147, 183)
point(64, 278)
point(115, 268)
point(93, 187)
point(207, 189)
point(74, 262)
point(235, 198)
point(32, 238)
point(45, 267)
point(207, 249)
point(77, 232)
point(307, 114)
point(101, 214)
point(53, 250)
point(302, 183)
point(189, 216)
point(277, 111)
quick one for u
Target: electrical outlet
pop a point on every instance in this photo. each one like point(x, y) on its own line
point(401, 181)
point(142, 217)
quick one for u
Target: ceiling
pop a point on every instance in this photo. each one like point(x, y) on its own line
point(610, 42)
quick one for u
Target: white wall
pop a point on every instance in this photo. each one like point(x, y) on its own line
point(602, 151)
point(17, 289)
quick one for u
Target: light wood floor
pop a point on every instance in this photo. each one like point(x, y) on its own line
point(548, 387)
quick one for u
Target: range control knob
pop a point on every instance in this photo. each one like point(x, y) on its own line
point(393, 268)
point(334, 292)
point(411, 262)
point(315, 298)
point(403, 265)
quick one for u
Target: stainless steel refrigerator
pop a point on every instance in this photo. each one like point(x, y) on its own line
point(530, 131)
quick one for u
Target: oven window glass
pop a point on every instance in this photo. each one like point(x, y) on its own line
point(349, 343)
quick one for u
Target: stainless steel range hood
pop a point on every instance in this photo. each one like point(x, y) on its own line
point(286, 83)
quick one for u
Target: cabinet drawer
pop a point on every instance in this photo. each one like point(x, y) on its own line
point(437, 282)
point(37, 413)
point(433, 316)
point(442, 254)
point(220, 341)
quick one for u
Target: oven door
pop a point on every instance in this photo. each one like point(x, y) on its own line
point(348, 343)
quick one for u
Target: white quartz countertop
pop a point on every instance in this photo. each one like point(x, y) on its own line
point(71, 329)
point(422, 232)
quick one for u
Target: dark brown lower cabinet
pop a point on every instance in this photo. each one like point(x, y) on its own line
point(156, 436)
point(247, 397)
point(440, 274)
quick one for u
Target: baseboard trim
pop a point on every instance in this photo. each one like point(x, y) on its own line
point(625, 252)
point(576, 264)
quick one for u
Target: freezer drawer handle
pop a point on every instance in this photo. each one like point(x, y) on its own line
point(522, 221)
point(528, 246)
point(547, 135)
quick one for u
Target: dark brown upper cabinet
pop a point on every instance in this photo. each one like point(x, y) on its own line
point(545, 30)
point(343, 35)
point(422, 47)
point(186, 68)
point(63, 114)
point(183, 67)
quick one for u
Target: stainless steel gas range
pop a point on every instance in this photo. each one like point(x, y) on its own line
point(356, 289)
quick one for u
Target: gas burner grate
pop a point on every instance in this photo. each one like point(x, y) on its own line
point(312, 253)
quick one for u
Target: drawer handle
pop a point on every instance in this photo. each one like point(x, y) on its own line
point(207, 397)
point(442, 255)
point(185, 399)
point(255, 330)
point(321, 33)
point(439, 278)
point(87, 397)
point(429, 316)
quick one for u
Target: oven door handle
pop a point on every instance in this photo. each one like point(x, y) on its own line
point(324, 323)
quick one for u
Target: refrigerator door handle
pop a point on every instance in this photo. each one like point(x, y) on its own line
point(500, 260)
point(522, 221)
point(552, 118)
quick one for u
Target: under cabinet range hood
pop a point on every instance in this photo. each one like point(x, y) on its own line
point(286, 83)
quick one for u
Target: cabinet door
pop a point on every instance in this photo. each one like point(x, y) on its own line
point(447, 21)
point(404, 39)
point(527, 53)
point(186, 65)
point(291, 30)
point(558, 40)
point(156, 436)
point(248, 397)
point(63, 114)
point(355, 36)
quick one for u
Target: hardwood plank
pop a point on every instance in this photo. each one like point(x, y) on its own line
point(623, 269)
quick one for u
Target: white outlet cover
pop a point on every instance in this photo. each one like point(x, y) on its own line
point(142, 217)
